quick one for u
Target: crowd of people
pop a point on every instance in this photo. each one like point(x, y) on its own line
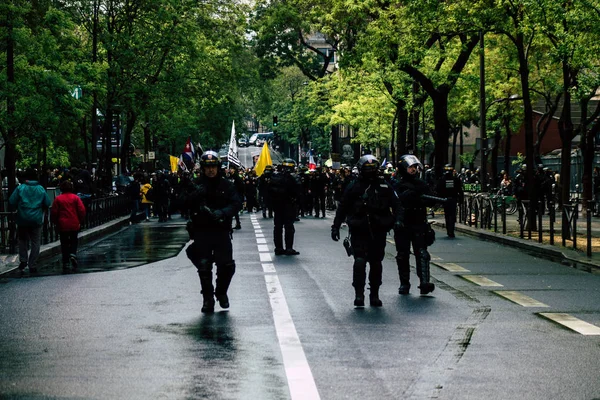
point(370, 199)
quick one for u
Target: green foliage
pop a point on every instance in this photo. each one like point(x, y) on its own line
point(519, 160)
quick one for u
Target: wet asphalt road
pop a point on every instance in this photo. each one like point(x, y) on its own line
point(137, 333)
point(132, 246)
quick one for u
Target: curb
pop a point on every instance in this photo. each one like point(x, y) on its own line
point(11, 261)
point(566, 257)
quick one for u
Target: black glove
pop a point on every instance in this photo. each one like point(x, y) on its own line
point(398, 225)
point(335, 233)
point(217, 215)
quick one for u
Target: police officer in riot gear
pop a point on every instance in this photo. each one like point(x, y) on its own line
point(450, 187)
point(416, 231)
point(264, 181)
point(212, 206)
point(371, 208)
point(284, 191)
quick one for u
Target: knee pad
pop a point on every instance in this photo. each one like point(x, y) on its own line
point(360, 262)
point(227, 268)
point(204, 267)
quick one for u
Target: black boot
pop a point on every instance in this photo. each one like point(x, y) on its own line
point(374, 297)
point(208, 294)
point(359, 299)
point(426, 287)
point(404, 288)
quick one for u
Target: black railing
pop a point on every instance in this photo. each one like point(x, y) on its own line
point(98, 212)
point(489, 212)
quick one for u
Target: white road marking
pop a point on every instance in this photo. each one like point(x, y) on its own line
point(265, 257)
point(519, 298)
point(263, 247)
point(300, 379)
point(261, 240)
point(573, 323)
point(452, 267)
point(481, 280)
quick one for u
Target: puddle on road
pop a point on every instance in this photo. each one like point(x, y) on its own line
point(130, 247)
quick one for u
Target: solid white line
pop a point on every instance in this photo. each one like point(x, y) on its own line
point(300, 379)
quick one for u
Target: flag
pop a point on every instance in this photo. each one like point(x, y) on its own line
point(232, 152)
point(311, 162)
point(263, 160)
point(182, 165)
point(384, 163)
point(233, 159)
point(174, 162)
point(188, 151)
point(232, 141)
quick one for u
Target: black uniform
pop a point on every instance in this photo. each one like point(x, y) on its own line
point(450, 187)
point(371, 208)
point(213, 205)
point(319, 183)
point(284, 192)
point(416, 230)
point(264, 181)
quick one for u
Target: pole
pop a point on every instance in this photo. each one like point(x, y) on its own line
point(482, 112)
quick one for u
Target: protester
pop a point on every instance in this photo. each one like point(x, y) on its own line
point(31, 201)
point(145, 192)
point(68, 214)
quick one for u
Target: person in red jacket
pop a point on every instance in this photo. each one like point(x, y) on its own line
point(67, 214)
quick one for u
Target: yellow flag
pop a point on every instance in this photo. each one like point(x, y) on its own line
point(174, 163)
point(263, 160)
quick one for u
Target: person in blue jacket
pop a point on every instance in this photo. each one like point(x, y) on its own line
point(31, 202)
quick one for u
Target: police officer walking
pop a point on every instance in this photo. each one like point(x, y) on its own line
point(264, 181)
point(450, 187)
point(371, 208)
point(416, 231)
point(212, 206)
point(284, 192)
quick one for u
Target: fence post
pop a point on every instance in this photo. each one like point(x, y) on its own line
point(540, 226)
point(589, 228)
point(552, 216)
point(575, 218)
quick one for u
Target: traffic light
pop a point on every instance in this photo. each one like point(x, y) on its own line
point(274, 120)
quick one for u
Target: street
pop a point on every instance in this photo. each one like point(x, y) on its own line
point(292, 332)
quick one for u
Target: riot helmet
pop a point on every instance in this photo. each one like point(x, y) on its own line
point(368, 166)
point(288, 165)
point(407, 161)
point(210, 159)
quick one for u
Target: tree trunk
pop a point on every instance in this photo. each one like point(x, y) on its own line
point(442, 131)
point(507, 145)
point(402, 126)
point(528, 124)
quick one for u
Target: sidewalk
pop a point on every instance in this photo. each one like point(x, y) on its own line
point(10, 262)
point(566, 256)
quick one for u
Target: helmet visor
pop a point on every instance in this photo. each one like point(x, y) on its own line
point(411, 160)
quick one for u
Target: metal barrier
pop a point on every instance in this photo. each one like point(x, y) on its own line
point(483, 211)
point(8, 233)
point(98, 212)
